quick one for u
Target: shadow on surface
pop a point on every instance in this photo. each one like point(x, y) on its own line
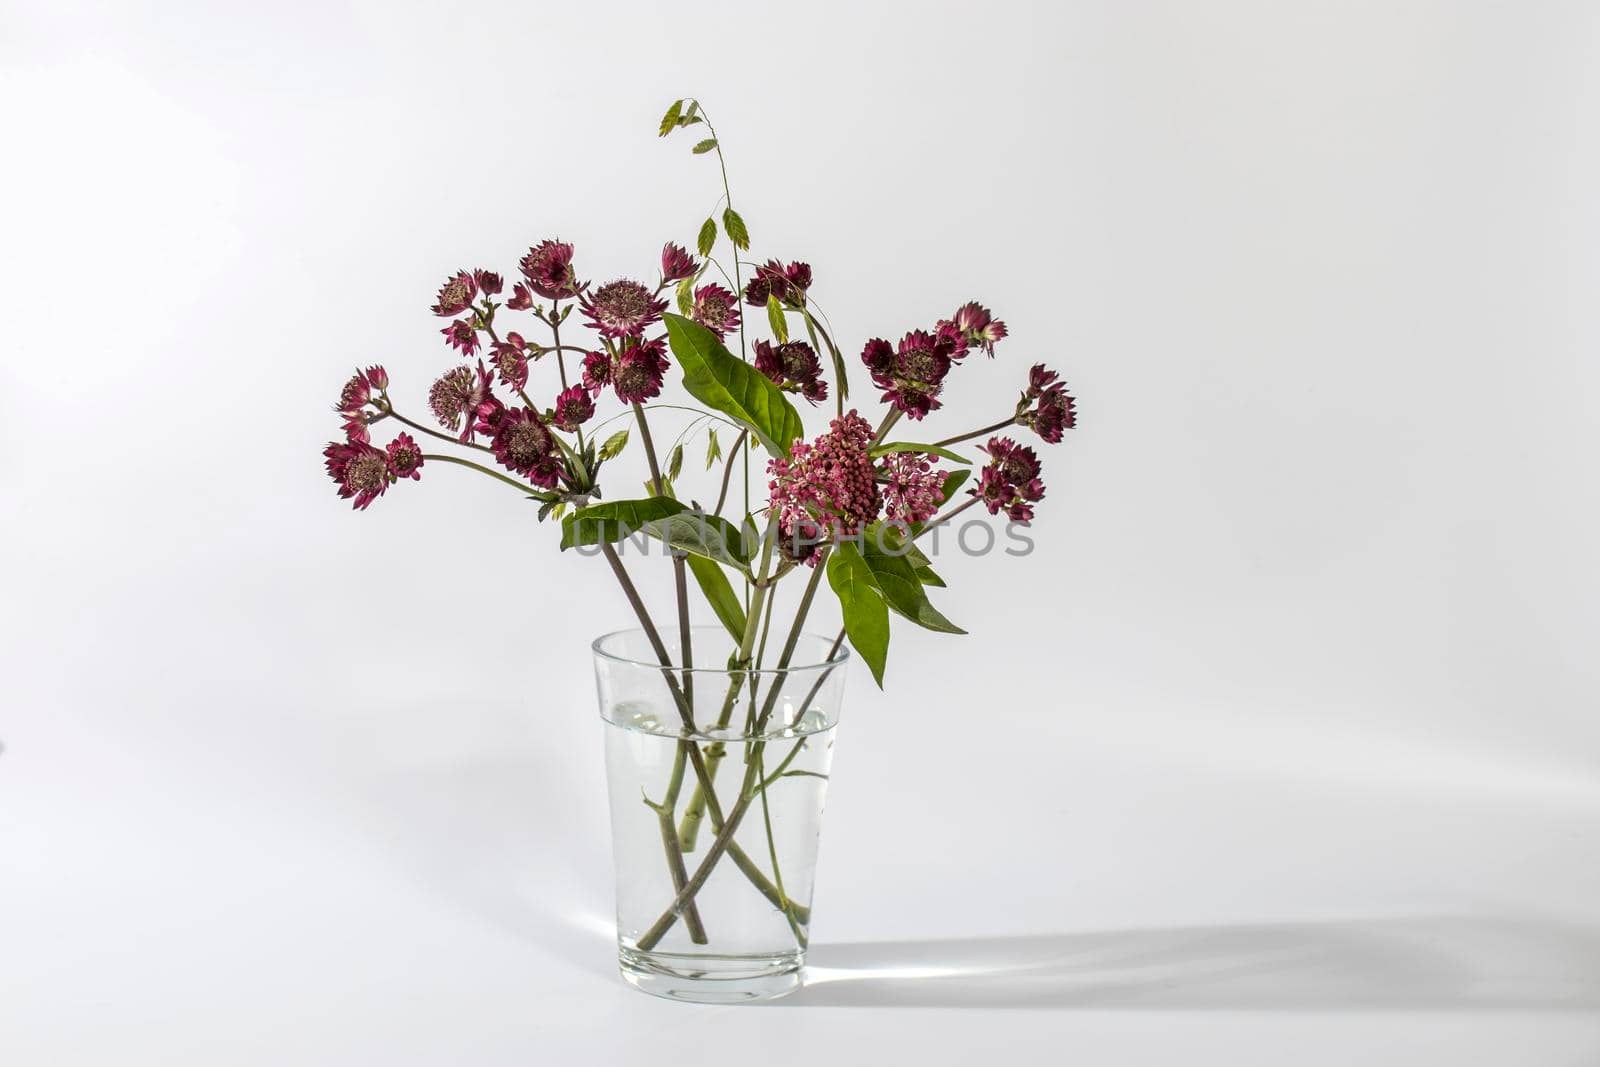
point(1450, 964)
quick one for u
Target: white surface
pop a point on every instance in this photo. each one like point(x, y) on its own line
point(1281, 749)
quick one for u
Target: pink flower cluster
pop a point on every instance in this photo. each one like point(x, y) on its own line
point(1010, 482)
point(913, 487)
point(826, 488)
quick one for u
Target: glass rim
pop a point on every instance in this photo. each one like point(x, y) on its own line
point(840, 656)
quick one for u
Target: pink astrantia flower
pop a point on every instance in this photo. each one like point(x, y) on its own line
point(523, 443)
point(622, 308)
point(378, 378)
point(548, 269)
point(794, 367)
point(1010, 482)
point(489, 282)
point(1053, 409)
point(913, 487)
point(460, 334)
point(912, 375)
point(361, 471)
point(457, 396)
point(355, 428)
point(676, 263)
point(716, 309)
point(521, 298)
point(574, 407)
point(510, 360)
point(404, 457)
point(455, 296)
point(596, 371)
point(788, 284)
point(826, 488)
point(980, 328)
point(640, 370)
point(355, 394)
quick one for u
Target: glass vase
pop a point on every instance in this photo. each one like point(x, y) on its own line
point(717, 777)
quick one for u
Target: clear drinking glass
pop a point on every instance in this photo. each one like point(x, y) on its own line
point(714, 890)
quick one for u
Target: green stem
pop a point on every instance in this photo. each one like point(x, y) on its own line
point(730, 824)
point(392, 413)
point(948, 441)
point(519, 486)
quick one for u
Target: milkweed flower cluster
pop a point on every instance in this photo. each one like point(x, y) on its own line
point(827, 488)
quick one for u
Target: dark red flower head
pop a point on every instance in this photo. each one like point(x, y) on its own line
point(622, 308)
point(1053, 409)
point(489, 282)
point(456, 397)
point(979, 327)
point(456, 294)
point(676, 263)
point(355, 428)
point(510, 360)
point(355, 394)
point(574, 407)
point(788, 284)
point(404, 457)
point(596, 371)
point(523, 443)
point(361, 471)
point(794, 367)
point(1010, 482)
point(716, 309)
point(912, 375)
point(460, 334)
point(378, 378)
point(548, 269)
point(640, 370)
point(521, 298)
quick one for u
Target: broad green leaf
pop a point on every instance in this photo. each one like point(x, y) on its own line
point(719, 594)
point(884, 551)
point(927, 576)
point(733, 223)
point(705, 146)
point(780, 326)
point(722, 381)
point(700, 534)
point(614, 445)
point(912, 446)
point(611, 522)
point(669, 121)
point(866, 619)
point(922, 566)
point(713, 448)
point(952, 482)
point(708, 237)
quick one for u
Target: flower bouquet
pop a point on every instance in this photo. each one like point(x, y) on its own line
point(719, 737)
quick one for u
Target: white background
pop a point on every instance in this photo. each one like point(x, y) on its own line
point(1281, 748)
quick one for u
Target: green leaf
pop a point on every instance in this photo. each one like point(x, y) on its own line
point(719, 594)
point(922, 566)
point(708, 236)
point(705, 146)
point(669, 121)
point(692, 110)
point(700, 534)
point(912, 446)
point(952, 482)
point(722, 381)
point(686, 295)
point(884, 551)
point(780, 326)
point(614, 445)
point(733, 223)
point(866, 619)
point(675, 463)
point(611, 522)
point(713, 449)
